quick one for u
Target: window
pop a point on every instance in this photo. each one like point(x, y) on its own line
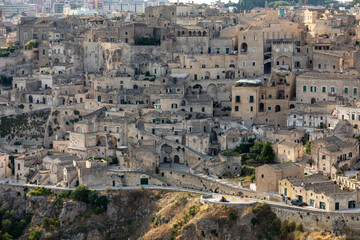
point(254, 37)
point(323, 89)
point(319, 66)
point(352, 116)
point(174, 105)
point(43, 36)
point(304, 88)
point(19, 166)
point(355, 90)
point(203, 109)
point(270, 96)
point(332, 90)
point(126, 40)
point(325, 66)
point(244, 63)
point(237, 99)
point(262, 175)
point(269, 108)
point(236, 108)
point(350, 154)
point(218, 51)
point(251, 99)
point(323, 157)
point(191, 109)
point(105, 128)
point(25, 36)
point(251, 109)
point(253, 64)
point(346, 90)
point(227, 50)
point(312, 89)
point(209, 50)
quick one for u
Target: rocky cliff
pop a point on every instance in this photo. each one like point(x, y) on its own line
point(139, 214)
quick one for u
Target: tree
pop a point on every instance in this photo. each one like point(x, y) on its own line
point(267, 153)
point(258, 147)
point(81, 193)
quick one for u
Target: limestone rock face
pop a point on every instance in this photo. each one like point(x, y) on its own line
point(94, 235)
point(71, 211)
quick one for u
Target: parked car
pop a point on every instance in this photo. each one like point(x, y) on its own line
point(297, 203)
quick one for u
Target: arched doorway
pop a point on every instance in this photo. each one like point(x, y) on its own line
point(292, 106)
point(31, 99)
point(313, 101)
point(261, 107)
point(176, 159)
point(207, 75)
point(244, 47)
point(197, 86)
point(277, 108)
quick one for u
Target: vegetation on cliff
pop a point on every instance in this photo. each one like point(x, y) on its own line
point(137, 214)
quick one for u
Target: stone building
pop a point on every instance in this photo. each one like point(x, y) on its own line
point(5, 171)
point(251, 98)
point(267, 176)
point(315, 87)
point(319, 192)
point(334, 151)
point(288, 151)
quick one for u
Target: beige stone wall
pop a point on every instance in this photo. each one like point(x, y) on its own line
point(267, 179)
point(324, 85)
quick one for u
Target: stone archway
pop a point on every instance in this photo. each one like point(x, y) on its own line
point(212, 91)
point(313, 101)
point(176, 159)
point(277, 108)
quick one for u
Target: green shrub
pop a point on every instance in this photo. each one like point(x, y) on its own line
point(232, 215)
point(35, 235)
point(50, 223)
point(83, 194)
point(40, 191)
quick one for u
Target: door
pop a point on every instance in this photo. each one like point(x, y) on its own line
point(337, 206)
point(144, 181)
point(312, 203)
point(300, 198)
point(113, 183)
point(176, 159)
point(285, 191)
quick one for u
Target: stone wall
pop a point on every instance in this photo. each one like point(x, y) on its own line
point(318, 220)
point(191, 181)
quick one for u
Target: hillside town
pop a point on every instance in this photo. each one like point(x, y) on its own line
point(261, 104)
